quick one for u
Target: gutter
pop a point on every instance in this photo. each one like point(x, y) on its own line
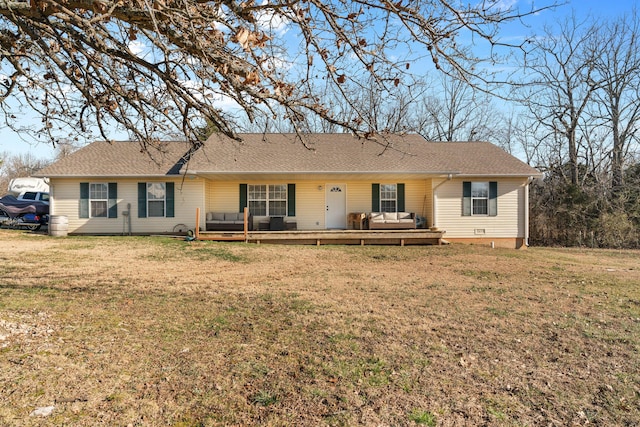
point(305, 172)
point(114, 176)
point(526, 210)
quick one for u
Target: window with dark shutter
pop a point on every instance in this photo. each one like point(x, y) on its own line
point(84, 200)
point(113, 200)
point(480, 198)
point(291, 200)
point(375, 197)
point(142, 200)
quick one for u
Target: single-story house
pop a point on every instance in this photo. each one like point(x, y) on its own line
point(474, 191)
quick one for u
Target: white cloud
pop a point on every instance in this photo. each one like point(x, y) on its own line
point(218, 99)
point(137, 48)
point(505, 4)
point(273, 23)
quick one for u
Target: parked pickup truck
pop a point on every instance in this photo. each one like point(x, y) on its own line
point(34, 195)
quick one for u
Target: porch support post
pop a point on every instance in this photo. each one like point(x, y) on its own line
point(197, 230)
point(246, 223)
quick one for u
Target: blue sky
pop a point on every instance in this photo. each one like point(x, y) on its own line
point(13, 145)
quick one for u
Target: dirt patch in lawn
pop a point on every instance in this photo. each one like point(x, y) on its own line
point(156, 331)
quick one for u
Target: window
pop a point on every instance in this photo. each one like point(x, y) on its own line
point(388, 198)
point(480, 198)
point(278, 200)
point(98, 200)
point(156, 197)
point(267, 200)
point(257, 199)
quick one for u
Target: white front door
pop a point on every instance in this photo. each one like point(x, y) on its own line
point(336, 199)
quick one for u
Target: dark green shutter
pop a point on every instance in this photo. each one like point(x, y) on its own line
point(243, 197)
point(142, 200)
point(375, 197)
point(170, 199)
point(400, 197)
point(113, 200)
point(466, 198)
point(84, 200)
point(493, 198)
point(291, 200)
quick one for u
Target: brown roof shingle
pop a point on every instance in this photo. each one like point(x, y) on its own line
point(344, 153)
point(119, 158)
point(285, 153)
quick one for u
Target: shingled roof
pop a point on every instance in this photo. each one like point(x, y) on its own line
point(119, 158)
point(285, 153)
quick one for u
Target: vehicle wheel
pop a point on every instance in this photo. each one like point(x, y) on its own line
point(34, 227)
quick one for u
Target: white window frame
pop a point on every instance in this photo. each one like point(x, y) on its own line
point(93, 201)
point(388, 194)
point(270, 193)
point(153, 199)
point(475, 198)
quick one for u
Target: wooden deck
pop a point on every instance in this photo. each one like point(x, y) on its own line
point(330, 237)
point(324, 237)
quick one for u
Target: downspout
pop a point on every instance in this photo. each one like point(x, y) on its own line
point(526, 211)
point(434, 208)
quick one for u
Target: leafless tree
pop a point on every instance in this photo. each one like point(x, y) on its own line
point(163, 67)
point(16, 166)
point(560, 84)
point(457, 111)
point(617, 102)
point(65, 148)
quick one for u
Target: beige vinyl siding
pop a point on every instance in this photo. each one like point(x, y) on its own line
point(358, 196)
point(310, 207)
point(223, 196)
point(509, 222)
point(65, 194)
point(418, 198)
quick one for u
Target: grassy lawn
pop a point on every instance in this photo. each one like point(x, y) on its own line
point(154, 331)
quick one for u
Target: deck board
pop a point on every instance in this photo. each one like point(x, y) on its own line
point(328, 237)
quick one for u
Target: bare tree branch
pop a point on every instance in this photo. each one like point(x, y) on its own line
point(162, 68)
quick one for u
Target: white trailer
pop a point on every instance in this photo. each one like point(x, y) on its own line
point(21, 185)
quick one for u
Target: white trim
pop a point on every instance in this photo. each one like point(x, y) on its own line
point(343, 216)
point(164, 200)
point(474, 198)
point(395, 199)
point(267, 199)
point(105, 200)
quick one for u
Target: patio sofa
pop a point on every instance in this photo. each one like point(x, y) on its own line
point(227, 221)
point(392, 220)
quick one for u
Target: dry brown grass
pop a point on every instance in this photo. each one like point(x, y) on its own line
point(153, 331)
